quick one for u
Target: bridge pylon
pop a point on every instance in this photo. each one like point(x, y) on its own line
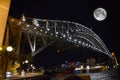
point(115, 62)
point(4, 30)
point(4, 9)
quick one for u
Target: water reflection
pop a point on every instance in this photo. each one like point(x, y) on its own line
point(106, 75)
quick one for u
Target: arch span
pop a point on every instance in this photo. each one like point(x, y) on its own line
point(59, 29)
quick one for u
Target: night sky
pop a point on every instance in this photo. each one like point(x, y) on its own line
point(80, 11)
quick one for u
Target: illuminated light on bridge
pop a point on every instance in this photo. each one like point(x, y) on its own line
point(58, 29)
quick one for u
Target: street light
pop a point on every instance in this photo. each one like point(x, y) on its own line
point(4, 53)
point(9, 48)
point(27, 62)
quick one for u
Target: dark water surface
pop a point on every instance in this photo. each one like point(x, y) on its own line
point(108, 75)
point(105, 75)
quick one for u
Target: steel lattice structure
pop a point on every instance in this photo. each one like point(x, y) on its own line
point(58, 29)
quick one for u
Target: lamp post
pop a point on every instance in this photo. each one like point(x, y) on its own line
point(4, 53)
point(27, 62)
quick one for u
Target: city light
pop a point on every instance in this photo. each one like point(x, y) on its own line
point(58, 51)
point(87, 67)
point(0, 48)
point(26, 61)
point(31, 65)
point(9, 49)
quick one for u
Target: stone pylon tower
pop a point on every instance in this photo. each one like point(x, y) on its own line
point(4, 9)
point(115, 62)
point(4, 38)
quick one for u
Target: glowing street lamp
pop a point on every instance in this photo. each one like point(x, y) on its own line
point(31, 65)
point(4, 51)
point(9, 48)
point(26, 61)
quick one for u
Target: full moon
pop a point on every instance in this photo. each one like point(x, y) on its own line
point(100, 14)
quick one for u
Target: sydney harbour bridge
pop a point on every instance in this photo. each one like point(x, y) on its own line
point(40, 33)
point(32, 35)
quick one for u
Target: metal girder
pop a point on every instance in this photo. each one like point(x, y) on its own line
point(66, 30)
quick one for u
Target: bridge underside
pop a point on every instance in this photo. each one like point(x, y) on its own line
point(41, 33)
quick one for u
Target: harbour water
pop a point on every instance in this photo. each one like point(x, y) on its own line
point(105, 75)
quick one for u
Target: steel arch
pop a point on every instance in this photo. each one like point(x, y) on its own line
point(60, 29)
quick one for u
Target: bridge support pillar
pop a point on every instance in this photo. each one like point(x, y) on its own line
point(4, 38)
point(4, 9)
point(115, 62)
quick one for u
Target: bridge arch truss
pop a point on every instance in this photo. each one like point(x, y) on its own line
point(57, 29)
